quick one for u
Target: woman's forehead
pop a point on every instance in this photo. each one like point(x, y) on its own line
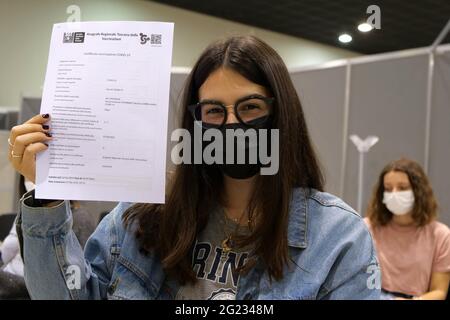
point(227, 85)
point(396, 177)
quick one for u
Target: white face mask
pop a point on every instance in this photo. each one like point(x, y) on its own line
point(399, 202)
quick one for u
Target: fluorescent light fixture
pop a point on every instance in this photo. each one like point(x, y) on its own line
point(345, 38)
point(364, 27)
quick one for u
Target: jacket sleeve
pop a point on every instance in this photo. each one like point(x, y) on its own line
point(356, 273)
point(55, 265)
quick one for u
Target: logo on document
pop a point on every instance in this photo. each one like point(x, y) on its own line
point(154, 38)
point(73, 37)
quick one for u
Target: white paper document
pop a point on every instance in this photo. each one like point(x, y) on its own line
point(107, 91)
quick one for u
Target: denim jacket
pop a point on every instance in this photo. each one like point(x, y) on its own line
point(331, 251)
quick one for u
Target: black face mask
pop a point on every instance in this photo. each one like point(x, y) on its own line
point(243, 170)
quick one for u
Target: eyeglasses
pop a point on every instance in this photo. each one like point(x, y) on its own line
point(247, 110)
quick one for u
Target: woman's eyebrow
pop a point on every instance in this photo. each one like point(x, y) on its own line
point(239, 99)
point(211, 101)
point(253, 95)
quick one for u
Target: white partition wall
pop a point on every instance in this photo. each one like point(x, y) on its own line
point(322, 95)
point(439, 168)
point(386, 97)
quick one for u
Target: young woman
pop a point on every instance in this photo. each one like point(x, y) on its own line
point(413, 248)
point(225, 232)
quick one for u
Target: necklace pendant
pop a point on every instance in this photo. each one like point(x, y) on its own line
point(225, 249)
point(226, 245)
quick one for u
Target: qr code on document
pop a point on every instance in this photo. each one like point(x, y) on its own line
point(155, 39)
point(68, 37)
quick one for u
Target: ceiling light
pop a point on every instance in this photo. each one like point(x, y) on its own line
point(364, 27)
point(345, 38)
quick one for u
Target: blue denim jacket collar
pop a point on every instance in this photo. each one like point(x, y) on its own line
point(297, 238)
point(298, 219)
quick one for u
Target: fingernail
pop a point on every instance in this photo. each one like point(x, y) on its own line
point(46, 144)
point(45, 127)
point(48, 134)
point(45, 116)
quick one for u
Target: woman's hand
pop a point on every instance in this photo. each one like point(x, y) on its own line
point(25, 141)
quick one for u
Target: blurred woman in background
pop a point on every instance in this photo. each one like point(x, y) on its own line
point(413, 248)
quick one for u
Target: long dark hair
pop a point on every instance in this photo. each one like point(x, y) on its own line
point(425, 204)
point(171, 229)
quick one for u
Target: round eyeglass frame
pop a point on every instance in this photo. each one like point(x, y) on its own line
point(192, 108)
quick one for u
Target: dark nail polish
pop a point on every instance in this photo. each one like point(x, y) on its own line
point(45, 116)
point(45, 127)
point(48, 134)
point(46, 144)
